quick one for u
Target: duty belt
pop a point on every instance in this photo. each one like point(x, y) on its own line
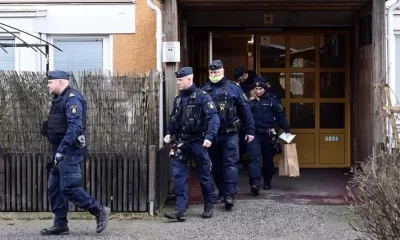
point(190, 137)
point(261, 131)
point(227, 131)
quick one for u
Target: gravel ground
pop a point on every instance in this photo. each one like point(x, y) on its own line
point(250, 219)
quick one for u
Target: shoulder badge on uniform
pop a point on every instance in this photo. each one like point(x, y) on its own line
point(74, 109)
point(245, 97)
point(71, 95)
point(178, 101)
point(210, 105)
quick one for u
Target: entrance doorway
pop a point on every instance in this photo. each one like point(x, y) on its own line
point(309, 72)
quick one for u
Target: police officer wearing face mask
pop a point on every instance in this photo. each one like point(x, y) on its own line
point(65, 130)
point(232, 105)
point(194, 122)
point(267, 112)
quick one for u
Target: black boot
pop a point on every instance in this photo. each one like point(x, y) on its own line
point(219, 199)
point(208, 211)
point(55, 231)
point(267, 183)
point(229, 203)
point(255, 190)
point(178, 214)
point(267, 186)
point(102, 219)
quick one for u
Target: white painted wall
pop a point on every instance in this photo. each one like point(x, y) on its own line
point(66, 20)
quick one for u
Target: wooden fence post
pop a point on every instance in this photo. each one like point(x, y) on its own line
point(2, 182)
point(152, 178)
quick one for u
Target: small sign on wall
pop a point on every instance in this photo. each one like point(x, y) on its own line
point(171, 52)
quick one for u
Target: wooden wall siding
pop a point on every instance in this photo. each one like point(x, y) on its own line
point(364, 103)
point(368, 88)
point(275, 4)
point(248, 19)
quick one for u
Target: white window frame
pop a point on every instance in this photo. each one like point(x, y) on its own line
point(107, 48)
point(17, 49)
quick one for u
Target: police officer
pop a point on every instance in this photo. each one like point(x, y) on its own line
point(244, 78)
point(232, 104)
point(65, 130)
point(266, 111)
point(194, 122)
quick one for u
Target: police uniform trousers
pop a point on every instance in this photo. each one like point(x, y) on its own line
point(242, 143)
point(193, 149)
point(66, 186)
point(260, 146)
point(224, 154)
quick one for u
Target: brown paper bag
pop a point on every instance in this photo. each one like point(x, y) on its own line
point(289, 163)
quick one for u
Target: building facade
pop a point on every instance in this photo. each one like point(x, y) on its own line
point(112, 35)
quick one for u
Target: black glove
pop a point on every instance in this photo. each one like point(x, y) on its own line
point(52, 165)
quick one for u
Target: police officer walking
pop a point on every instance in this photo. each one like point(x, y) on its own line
point(194, 122)
point(232, 105)
point(245, 80)
point(267, 112)
point(65, 130)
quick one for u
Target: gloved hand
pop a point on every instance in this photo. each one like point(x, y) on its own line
point(206, 143)
point(167, 138)
point(249, 138)
point(54, 166)
point(58, 157)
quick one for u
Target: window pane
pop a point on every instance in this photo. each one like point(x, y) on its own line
point(272, 52)
point(332, 115)
point(7, 60)
point(302, 85)
point(332, 85)
point(277, 81)
point(302, 51)
point(78, 55)
point(302, 115)
point(332, 51)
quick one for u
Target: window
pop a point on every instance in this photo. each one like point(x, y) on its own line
point(7, 59)
point(78, 54)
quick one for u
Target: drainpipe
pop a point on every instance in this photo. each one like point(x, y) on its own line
point(159, 69)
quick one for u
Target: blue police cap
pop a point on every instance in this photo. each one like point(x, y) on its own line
point(56, 74)
point(215, 65)
point(260, 81)
point(238, 72)
point(183, 72)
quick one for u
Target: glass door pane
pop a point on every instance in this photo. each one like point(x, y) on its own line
point(272, 52)
point(302, 51)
